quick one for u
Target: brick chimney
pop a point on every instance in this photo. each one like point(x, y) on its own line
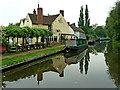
point(62, 12)
point(39, 15)
point(34, 12)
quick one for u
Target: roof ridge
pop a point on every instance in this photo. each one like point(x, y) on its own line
point(52, 15)
point(46, 19)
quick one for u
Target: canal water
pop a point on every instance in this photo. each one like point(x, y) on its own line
point(95, 67)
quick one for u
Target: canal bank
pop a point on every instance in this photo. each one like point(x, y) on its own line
point(25, 59)
point(37, 58)
point(95, 67)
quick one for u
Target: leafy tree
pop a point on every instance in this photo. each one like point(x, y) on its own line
point(25, 32)
point(113, 22)
point(100, 32)
point(87, 20)
point(12, 31)
point(81, 19)
point(17, 24)
point(81, 24)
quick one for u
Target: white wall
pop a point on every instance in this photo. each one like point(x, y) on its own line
point(71, 30)
point(27, 22)
point(80, 35)
point(76, 33)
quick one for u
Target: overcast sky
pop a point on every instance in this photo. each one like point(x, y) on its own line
point(11, 11)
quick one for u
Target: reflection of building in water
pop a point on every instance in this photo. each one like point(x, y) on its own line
point(59, 63)
point(39, 76)
point(57, 66)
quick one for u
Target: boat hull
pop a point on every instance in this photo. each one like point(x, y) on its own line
point(76, 45)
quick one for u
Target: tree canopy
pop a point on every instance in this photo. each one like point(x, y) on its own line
point(113, 22)
point(81, 19)
point(16, 31)
point(84, 23)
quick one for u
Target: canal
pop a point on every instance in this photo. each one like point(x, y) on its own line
point(95, 67)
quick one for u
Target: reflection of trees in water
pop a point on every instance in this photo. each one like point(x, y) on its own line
point(84, 61)
point(81, 65)
point(87, 59)
point(112, 59)
point(98, 47)
point(26, 71)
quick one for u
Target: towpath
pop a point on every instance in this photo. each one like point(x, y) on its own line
point(24, 53)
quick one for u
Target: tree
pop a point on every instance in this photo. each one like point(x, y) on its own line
point(87, 20)
point(81, 19)
point(24, 34)
point(12, 31)
point(81, 24)
point(100, 32)
point(113, 22)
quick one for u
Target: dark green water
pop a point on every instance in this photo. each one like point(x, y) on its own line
point(95, 67)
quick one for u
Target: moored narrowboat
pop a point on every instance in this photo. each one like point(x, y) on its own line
point(75, 44)
point(79, 41)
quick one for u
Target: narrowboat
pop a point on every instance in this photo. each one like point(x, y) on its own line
point(78, 42)
point(75, 44)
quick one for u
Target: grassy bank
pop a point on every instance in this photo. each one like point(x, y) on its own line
point(13, 60)
point(7, 54)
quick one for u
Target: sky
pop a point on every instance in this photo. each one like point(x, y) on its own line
point(11, 11)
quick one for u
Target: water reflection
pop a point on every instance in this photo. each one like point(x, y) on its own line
point(59, 63)
point(82, 58)
point(112, 58)
point(98, 47)
point(55, 64)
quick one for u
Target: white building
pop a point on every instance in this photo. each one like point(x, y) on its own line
point(79, 33)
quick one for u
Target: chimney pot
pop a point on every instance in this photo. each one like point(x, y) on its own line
point(34, 12)
point(38, 5)
point(62, 12)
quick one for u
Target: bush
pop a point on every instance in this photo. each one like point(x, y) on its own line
point(5, 43)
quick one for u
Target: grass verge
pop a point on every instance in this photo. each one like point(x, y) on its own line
point(7, 54)
point(16, 59)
